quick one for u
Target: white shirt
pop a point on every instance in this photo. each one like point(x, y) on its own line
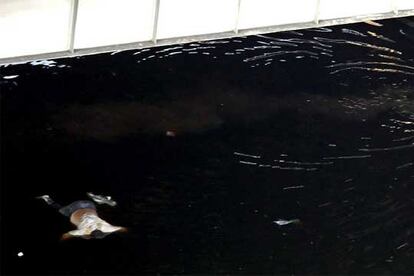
point(91, 222)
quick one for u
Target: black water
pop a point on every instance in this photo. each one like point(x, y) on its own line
point(315, 125)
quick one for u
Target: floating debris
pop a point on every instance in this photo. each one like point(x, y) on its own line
point(46, 198)
point(10, 77)
point(170, 133)
point(282, 222)
point(100, 199)
point(116, 52)
point(47, 63)
point(402, 245)
point(373, 23)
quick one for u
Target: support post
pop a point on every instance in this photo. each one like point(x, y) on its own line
point(155, 25)
point(236, 27)
point(317, 11)
point(75, 6)
point(394, 6)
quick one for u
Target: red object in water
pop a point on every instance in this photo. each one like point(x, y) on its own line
point(170, 133)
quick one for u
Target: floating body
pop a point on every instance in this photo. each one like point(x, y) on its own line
point(83, 215)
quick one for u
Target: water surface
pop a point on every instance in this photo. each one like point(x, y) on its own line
point(205, 145)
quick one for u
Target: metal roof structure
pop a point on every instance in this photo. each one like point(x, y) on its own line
point(46, 29)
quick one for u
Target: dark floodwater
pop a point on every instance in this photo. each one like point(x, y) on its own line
point(315, 125)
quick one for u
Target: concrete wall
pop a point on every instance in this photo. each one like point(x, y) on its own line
point(37, 29)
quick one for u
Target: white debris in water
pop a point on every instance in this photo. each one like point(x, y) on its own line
point(20, 254)
point(10, 77)
point(402, 245)
point(48, 63)
point(282, 222)
point(116, 52)
point(100, 199)
point(46, 198)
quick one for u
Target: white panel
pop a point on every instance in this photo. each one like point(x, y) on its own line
point(34, 26)
point(108, 22)
point(330, 9)
point(405, 4)
point(192, 17)
point(260, 13)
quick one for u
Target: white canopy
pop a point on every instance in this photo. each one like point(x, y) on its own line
point(43, 29)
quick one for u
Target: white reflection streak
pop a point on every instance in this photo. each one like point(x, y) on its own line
point(402, 245)
point(402, 122)
point(370, 63)
point(294, 187)
point(361, 44)
point(387, 70)
point(294, 168)
point(388, 148)
point(390, 57)
point(403, 139)
point(278, 53)
point(303, 163)
point(248, 163)
point(246, 155)
point(347, 157)
point(405, 166)
point(10, 77)
point(353, 32)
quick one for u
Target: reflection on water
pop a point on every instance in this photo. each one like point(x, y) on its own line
point(281, 153)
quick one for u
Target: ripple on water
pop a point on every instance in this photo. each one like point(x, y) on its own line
point(312, 125)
